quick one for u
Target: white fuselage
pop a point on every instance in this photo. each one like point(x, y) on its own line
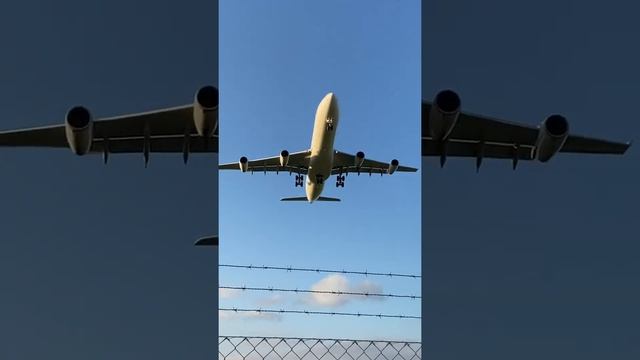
point(321, 158)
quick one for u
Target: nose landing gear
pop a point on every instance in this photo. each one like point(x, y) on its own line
point(329, 124)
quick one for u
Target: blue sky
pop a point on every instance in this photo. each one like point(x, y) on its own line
point(97, 261)
point(277, 61)
point(541, 262)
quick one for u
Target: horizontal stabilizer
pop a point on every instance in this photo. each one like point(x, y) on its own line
point(322, 198)
point(207, 241)
point(302, 198)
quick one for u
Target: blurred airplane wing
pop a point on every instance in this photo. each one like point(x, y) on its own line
point(167, 130)
point(501, 139)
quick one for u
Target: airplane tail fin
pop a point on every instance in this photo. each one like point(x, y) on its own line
point(207, 241)
point(302, 198)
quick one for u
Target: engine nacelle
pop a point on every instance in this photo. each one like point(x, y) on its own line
point(78, 129)
point(244, 164)
point(205, 110)
point(393, 166)
point(553, 133)
point(284, 158)
point(359, 159)
point(444, 114)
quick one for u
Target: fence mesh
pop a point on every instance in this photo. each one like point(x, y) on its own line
point(275, 348)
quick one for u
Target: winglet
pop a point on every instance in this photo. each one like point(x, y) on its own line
point(207, 241)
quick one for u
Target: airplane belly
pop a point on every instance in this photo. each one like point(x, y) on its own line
point(321, 157)
point(313, 190)
point(320, 165)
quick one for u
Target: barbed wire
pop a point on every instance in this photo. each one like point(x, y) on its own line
point(314, 339)
point(308, 312)
point(330, 292)
point(292, 269)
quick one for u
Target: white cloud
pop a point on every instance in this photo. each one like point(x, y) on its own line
point(330, 283)
point(252, 315)
point(369, 287)
point(339, 283)
point(228, 293)
point(271, 301)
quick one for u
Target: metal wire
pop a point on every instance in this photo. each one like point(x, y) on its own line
point(245, 288)
point(288, 348)
point(308, 312)
point(291, 269)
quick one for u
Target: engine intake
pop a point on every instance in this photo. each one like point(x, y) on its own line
point(554, 131)
point(448, 101)
point(359, 159)
point(284, 158)
point(393, 166)
point(205, 110)
point(79, 130)
point(244, 164)
point(444, 114)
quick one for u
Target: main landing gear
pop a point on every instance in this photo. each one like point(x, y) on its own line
point(319, 179)
point(299, 180)
point(340, 180)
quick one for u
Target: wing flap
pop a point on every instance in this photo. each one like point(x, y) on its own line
point(471, 149)
point(161, 144)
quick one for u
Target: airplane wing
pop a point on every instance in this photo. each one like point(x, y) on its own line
point(503, 139)
point(167, 130)
point(186, 129)
point(346, 163)
point(298, 163)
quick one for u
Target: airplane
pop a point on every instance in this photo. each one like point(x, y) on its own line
point(447, 131)
point(321, 160)
point(191, 128)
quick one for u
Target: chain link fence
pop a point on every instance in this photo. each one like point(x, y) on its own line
point(276, 348)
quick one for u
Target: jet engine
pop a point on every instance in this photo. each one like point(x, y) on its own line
point(244, 164)
point(284, 158)
point(393, 166)
point(359, 159)
point(553, 133)
point(444, 114)
point(78, 129)
point(205, 110)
